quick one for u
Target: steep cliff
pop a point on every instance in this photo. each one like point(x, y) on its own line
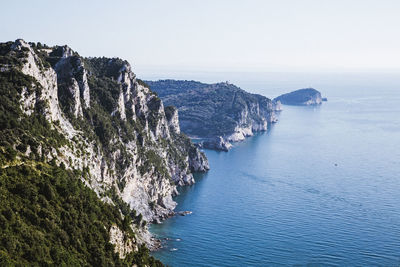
point(93, 117)
point(221, 112)
point(301, 97)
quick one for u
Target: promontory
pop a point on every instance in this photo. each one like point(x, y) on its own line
point(220, 113)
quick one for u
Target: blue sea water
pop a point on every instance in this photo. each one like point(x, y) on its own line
point(319, 188)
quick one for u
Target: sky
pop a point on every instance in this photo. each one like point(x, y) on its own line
point(217, 35)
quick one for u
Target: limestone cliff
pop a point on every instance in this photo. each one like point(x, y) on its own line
point(111, 128)
point(220, 113)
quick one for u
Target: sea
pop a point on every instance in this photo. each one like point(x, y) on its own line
point(321, 187)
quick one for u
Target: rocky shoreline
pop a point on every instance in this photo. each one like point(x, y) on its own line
point(219, 113)
point(157, 243)
point(114, 132)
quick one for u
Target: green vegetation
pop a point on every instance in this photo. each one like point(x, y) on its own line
point(154, 115)
point(106, 92)
point(16, 128)
point(209, 110)
point(49, 217)
point(104, 67)
point(169, 111)
point(306, 96)
point(104, 95)
point(141, 82)
point(153, 160)
point(10, 59)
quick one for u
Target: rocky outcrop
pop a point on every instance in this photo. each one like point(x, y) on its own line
point(118, 136)
point(197, 162)
point(173, 120)
point(123, 244)
point(276, 104)
point(71, 72)
point(301, 97)
point(220, 113)
point(217, 143)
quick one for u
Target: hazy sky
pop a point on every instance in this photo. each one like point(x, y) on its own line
point(225, 35)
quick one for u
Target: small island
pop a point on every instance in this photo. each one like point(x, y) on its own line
point(302, 97)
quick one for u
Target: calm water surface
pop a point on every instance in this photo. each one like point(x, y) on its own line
point(321, 187)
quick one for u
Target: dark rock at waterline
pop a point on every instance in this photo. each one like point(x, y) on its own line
point(217, 143)
point(184, 213)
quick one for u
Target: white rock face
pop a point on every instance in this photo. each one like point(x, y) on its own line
point(123, 245)
point(241, 133)
point(277, 105)
point(315, 101)
point(71, 70)
point(247, 125)
point(217, 143)
point(84, 88)
point(147, 177)
point(27, 101)
point(198, 163)
point(121, 106)
point(47, 78)
point(77, 107)
point(173, 121)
